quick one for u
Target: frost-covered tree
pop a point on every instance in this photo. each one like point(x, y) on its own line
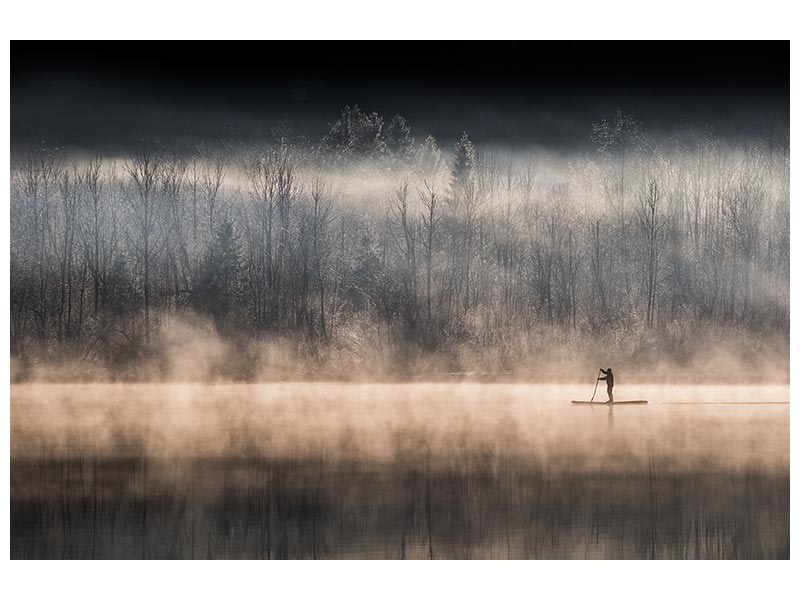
point(429, 157)
point(619, 134)
point(398, 139)
point(464, 162)
point(486, 259)
point(356, 134)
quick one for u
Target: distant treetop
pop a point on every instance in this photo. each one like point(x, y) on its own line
point(359, 134)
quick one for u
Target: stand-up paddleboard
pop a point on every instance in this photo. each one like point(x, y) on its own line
point(617, 403)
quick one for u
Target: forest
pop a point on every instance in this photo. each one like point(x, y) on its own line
point(374, 253)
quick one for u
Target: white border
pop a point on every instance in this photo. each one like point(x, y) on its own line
point(410, 19)
point(150, 19)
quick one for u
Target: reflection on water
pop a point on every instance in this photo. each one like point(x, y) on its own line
point(397, 471)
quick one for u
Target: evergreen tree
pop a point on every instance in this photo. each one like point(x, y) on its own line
point(218, 281)
point(464, 161)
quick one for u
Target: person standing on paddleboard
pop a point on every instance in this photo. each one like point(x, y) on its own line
point(609, 379)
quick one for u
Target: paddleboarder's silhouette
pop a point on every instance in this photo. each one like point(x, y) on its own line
point(609, 379)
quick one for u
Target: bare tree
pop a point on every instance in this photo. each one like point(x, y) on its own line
point(321, 248)
point(142, 195)
point(430, 226)
point(213, 177)
point(651, 223)
point(404, 236)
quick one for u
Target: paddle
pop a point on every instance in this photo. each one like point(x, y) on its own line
point(595, 386)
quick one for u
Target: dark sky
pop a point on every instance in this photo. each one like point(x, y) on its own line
point(103, 96)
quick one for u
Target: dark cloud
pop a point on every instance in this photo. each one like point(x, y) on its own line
point(106, 95)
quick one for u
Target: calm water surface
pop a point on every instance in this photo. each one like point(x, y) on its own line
point(398, 471)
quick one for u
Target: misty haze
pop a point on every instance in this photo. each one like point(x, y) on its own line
point(366, 339)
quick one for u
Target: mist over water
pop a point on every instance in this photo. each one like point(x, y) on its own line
point(398, 471)
point(366, 421)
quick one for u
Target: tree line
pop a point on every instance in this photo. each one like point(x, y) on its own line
point(369, 250)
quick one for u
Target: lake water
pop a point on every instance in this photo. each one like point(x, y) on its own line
point(398, 471)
